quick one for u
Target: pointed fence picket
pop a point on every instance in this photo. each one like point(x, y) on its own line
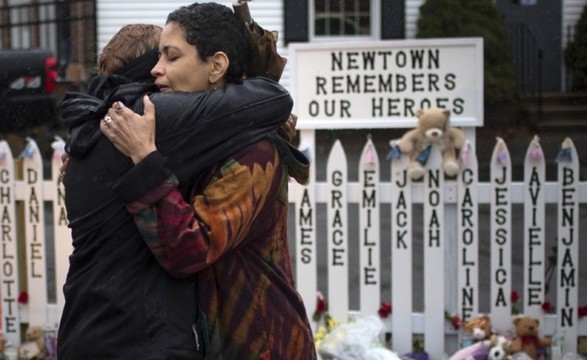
point(450, 214)
point(338, 274)
point(370, 277)
point(534, 230)
point(10, 268)
point(34, 234)
point(501, 237)
point(468, 244)
point(568, 245)
point(401, 255)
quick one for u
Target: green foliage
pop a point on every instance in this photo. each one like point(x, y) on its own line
point(475, 18)
point(576, 54)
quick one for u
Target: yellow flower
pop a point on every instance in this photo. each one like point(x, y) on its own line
point(319, 336)
point(321, 333)
point(331, 323)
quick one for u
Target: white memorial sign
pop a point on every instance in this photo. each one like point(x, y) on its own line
point(382, 84)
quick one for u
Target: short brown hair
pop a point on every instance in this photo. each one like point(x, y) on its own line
point(129, 43)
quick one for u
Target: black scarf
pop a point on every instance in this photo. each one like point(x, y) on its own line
point(139, 70)
point(82, 113)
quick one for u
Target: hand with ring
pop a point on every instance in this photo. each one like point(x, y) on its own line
point(131, 133)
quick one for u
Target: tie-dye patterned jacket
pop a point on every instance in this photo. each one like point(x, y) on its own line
point(233, 236)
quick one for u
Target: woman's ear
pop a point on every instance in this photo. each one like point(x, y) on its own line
point(219, 62)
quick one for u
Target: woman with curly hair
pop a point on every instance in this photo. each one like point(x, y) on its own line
point(119, 302)
point(232, 233)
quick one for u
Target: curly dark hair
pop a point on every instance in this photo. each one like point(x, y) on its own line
point(212, 27)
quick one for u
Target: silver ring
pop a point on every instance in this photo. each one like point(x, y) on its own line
point(107, 119)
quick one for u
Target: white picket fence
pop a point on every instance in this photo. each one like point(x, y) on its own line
point(450, 214)
point(449, 211)
point(25, 236)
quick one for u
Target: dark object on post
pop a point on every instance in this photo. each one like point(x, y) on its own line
point(264, 61)
point(27, 89)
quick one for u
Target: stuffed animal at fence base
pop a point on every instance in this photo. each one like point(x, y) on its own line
point(34, 345)
point(526, 338)
point(477, 351)
point(433, 128)
point(500, 348)
point(479, 327)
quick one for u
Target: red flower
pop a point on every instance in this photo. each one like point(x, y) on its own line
point(23, 297)
point(456, 322)
point(384, 310)
point(582, 311)
point(515, 296)
point(547, 307)
point(320, 307)
point(320, 303)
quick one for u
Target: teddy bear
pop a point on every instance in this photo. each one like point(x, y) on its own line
point(433, 128)
point(34, 345)
point(526, 338)
point(480, 329)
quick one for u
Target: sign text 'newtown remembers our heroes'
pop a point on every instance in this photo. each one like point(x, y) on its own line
point(387, 81)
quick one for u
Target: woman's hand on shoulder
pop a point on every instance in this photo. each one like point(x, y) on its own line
point(131, 133)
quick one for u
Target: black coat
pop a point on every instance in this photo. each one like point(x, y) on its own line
point(119, 302)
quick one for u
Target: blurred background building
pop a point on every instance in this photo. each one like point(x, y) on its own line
point(539, 30)
point(67, 28)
